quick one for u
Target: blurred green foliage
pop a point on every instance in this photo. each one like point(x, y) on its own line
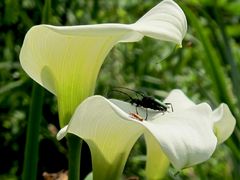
point(207, 68)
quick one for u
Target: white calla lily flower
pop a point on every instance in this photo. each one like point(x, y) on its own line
point(187, 136)
point(66, 60)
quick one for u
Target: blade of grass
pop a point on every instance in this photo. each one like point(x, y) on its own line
point(12, 85)
point(213, 66)
point(32, 139)
point(219, 34)
point(35, 115)
point(234, 72)
point(217, 74)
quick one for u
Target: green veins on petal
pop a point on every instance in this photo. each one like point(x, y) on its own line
point(66, 59)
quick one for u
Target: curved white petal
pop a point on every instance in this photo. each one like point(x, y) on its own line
point(123, 32)
point(186, 137)
point(224, 122)
point(109, 132)
point(166, 21)
point(179, 101)
point(62, 133)
point(66, 65)
point(157, 162)
point(66, 60)
point(47, 45)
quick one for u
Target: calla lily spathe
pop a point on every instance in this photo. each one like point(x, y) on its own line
point(187, 136)
point(66, 60)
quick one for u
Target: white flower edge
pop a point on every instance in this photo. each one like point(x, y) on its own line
point(66, 60)
point(224, 122)
point(92, 121)
point(185, 136)
point(166, 21)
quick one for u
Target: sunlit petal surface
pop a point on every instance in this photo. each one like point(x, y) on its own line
point(109, 132)
point(186, 136)
point(224, 122)
point(178, 100)
point(66, 60)
point(166, 21)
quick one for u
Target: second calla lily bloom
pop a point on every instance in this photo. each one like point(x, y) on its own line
point(186, 136)
point(67, 60)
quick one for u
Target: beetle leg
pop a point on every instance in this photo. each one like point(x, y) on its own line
point(170, 105)
point(146, 114)
point(136, 109)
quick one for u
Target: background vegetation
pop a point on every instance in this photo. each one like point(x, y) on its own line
point(207, 68)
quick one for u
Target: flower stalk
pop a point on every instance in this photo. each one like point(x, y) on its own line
point(74, 156)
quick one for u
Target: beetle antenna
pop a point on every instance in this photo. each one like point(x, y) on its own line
point(137, 92)
point(115, 90)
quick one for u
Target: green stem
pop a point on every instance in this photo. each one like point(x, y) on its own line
point(32, 141)
point(74, 158)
